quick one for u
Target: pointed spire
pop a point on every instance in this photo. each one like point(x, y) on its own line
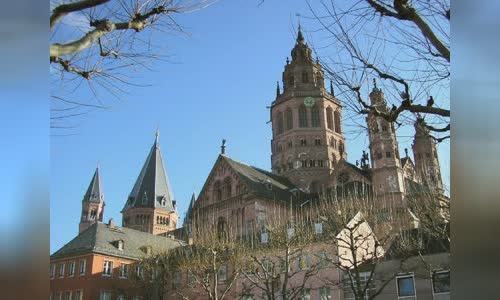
point(152, 187)
point(157, 137)
point(406, 152)
point(278, 89)
point(94, 191)
point(300, 37)
point(332, 92)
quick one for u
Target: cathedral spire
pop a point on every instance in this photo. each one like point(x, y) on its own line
point(278, 89)
point(300, 37)
point(92, 203)
point(152, 187)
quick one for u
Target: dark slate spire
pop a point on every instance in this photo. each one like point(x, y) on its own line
point(152, 187)
point(300, 37)
point(94, 192)
point(332, 92)
point(278, 89)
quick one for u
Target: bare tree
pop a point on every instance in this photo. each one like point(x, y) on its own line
point(404, 43)
point(101, 45)
point(208, 268)
point(285, 261)
point(366, 236)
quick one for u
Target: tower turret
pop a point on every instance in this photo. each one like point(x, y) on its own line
point(426, 157)
point(307, 123)
point(151, 206)
point(386, 165)
point(92, 203)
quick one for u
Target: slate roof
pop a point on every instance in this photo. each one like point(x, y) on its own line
point(152, 186)
point(363, 172)
point(94, 191)
point(261, 181)
point(103, 239)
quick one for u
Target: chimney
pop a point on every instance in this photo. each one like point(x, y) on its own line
point(111, 223)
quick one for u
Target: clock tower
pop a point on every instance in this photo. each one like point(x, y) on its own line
point(306, 123)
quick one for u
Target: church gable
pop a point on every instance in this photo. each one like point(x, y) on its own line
point(222, 183)
point(346, 172)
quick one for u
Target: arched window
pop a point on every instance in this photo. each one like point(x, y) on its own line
point(333, 143)
point(217, 190)
point(279, 128)
point(291, 80)
point(337, 122)
point(315, 116)
point(227, 187)
point(289, 118)
point(341, 149)
point(303, 116)
point(334, 159)
point(221, 228)
point(305, 77)
point(329, 118)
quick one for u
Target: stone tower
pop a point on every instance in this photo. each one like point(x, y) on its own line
point(387, 172)
point(426, 157)
point(150, 206)
point(306, 123)
point(92, 203)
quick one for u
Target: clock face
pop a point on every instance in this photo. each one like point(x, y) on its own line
point(309, 101)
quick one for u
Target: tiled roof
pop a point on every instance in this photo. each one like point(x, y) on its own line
point(152, 186)
point(94, 191)
point(103, 238)
point(363, 172)
point(405, 243)
point(261, 181)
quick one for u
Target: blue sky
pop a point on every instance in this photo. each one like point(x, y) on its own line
point(217, 85)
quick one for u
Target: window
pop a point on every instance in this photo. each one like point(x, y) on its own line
point(289, 118)
point(263, 237)
point(59, 296)
point(304, 262)
point(191, 279)
point(123, 270)
point(315, 121)
point(290, 144)
point(427, 154)
point(406, 287)
point(441, 284)
point(323, 259)
point(333, 143)
point(363, 277)
point(384, 128)
point(217, 190)
point(82, 266)
point(379, 155)
point(325, 293)
point(107, 270)
point(144, 198)
point(52, 271)
point(337, 122)
point(138, 271)
point(305, 294)
point(227, 188)
point(305, 77)
point(329, 118)
point(78, 295)
point(67, 295)
point(105, 295)
point(71, 269)
point(61, 270)
point(303, 142)
point(320, 163)
point(279, 129)
point(222, 274)
point(318, 228)
point(317, 142)
point(177, 280)
point(388, 154)
point(303, 116)
point(290, 232)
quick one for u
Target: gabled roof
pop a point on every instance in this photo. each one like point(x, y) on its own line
point(405, 160)
point(188, 212)
point(103, 238)
point(260, 181)
point(94, 191)
point(152, 187)
point(366, 173)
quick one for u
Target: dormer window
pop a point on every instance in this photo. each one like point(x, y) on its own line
point(120, 245)
point(144, 198)
point(147, 249)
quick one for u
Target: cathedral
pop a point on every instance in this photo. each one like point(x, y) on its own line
point(309, 157)
point(309, 163)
